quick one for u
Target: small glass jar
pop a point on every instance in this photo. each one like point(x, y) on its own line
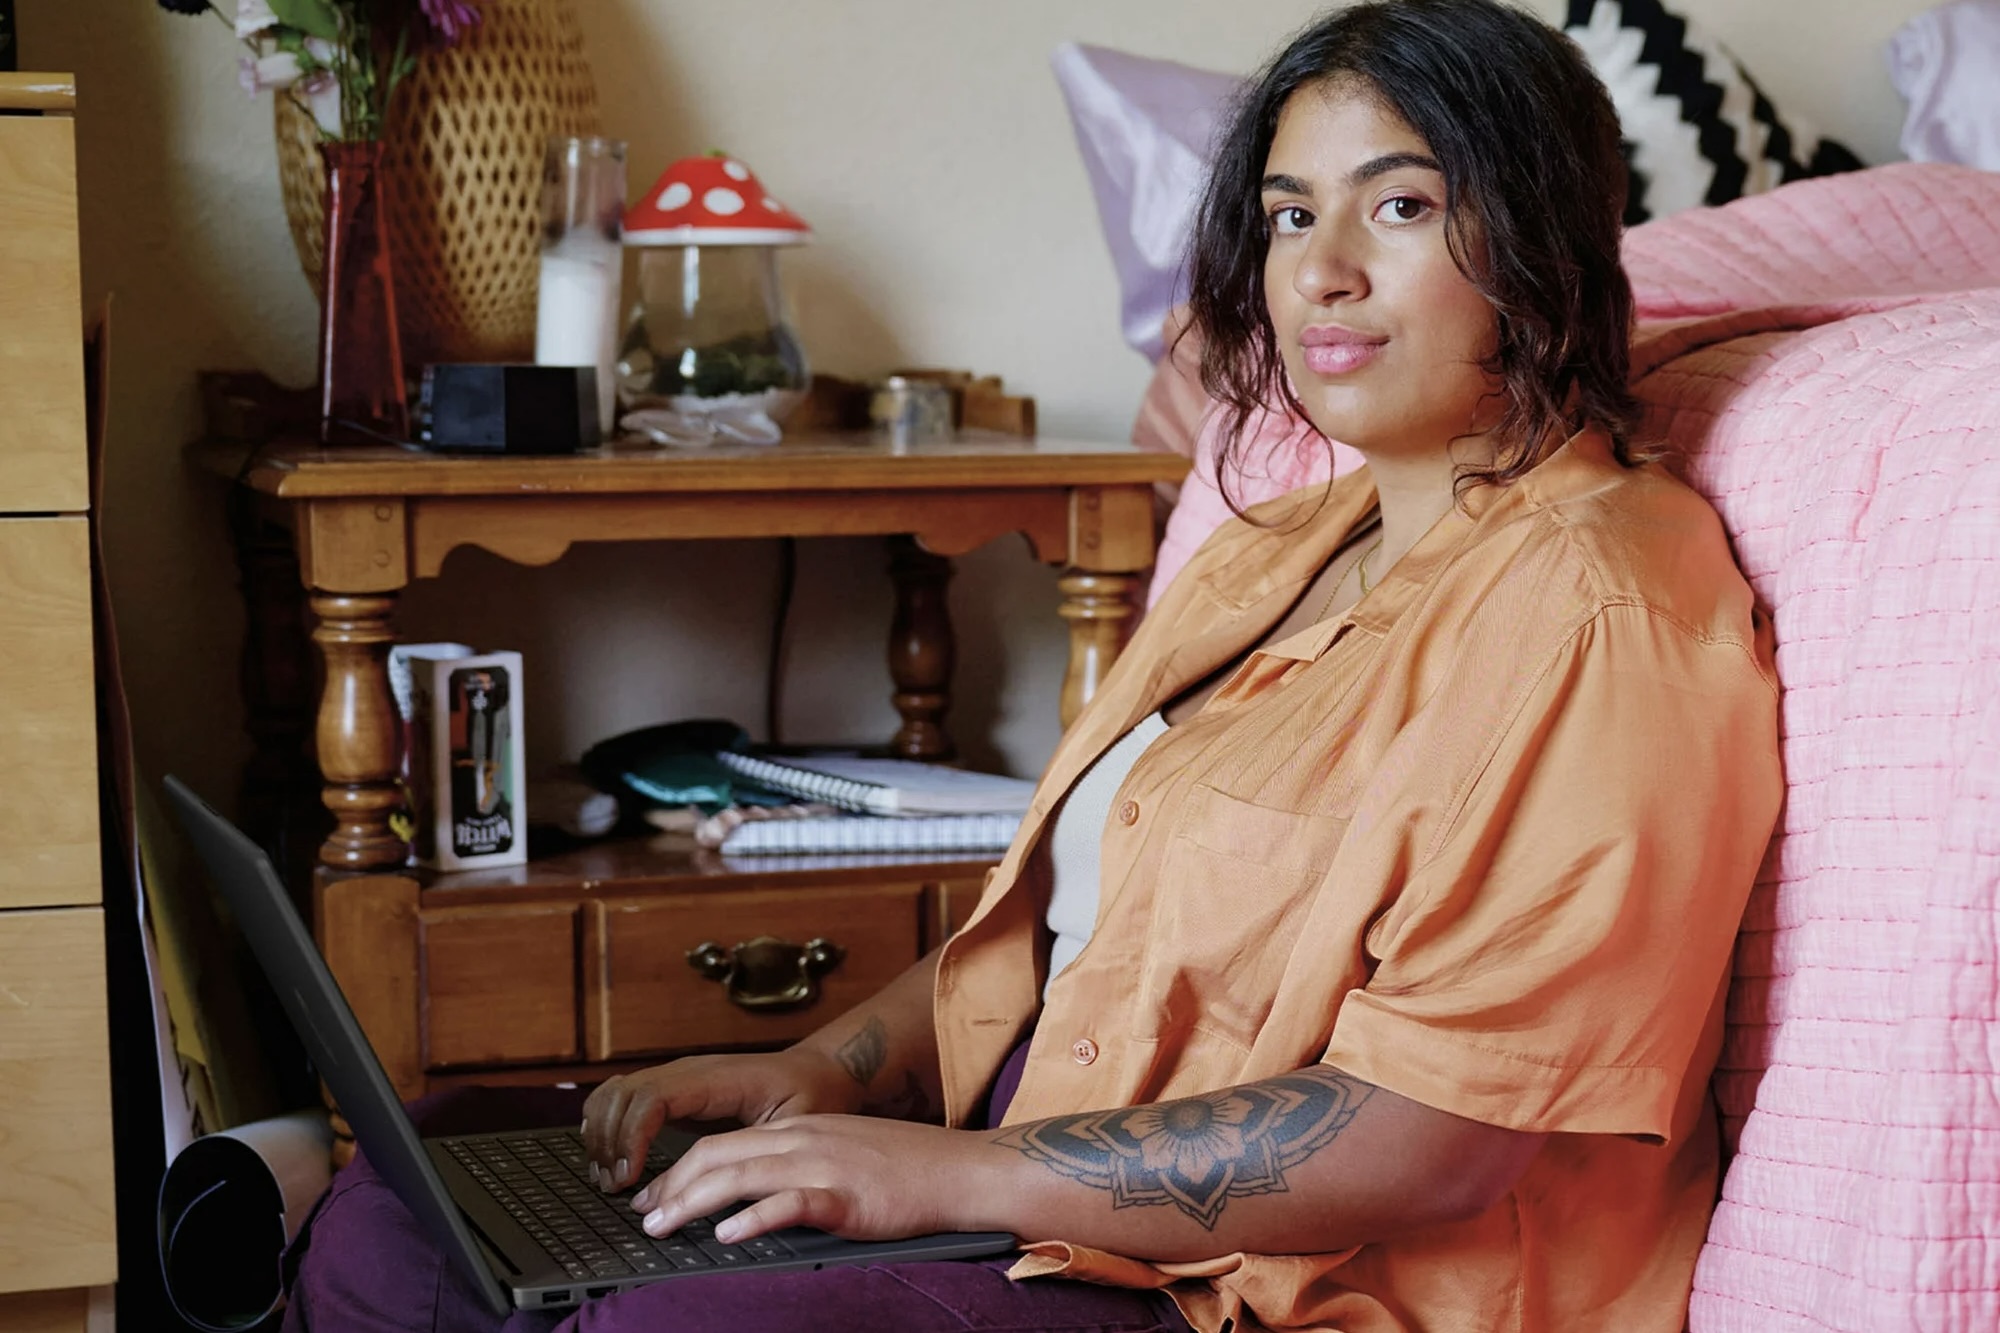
point(710, 333)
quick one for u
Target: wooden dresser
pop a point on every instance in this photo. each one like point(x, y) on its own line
point(56, 1207)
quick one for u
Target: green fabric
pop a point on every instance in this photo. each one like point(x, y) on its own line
point(674, 764)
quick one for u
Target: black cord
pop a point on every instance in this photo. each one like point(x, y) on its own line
point(774, 674)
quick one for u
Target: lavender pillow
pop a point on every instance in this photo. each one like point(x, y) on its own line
point(1946, 64)
point(1144, 127)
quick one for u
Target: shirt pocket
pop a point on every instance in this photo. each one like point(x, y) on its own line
point(1235, 884)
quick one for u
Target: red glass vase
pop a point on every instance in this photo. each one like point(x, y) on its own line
point(361, 393)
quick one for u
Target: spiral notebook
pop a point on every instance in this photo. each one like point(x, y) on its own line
point(873, 833)
point(885, 786)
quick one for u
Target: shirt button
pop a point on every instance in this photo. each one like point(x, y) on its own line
point(1128, 812)
point(1084, 1051)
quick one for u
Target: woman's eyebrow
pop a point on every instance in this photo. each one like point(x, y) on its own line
point(1388, 162)
point(1278, 182)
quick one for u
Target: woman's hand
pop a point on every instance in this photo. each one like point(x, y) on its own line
point(856, 1176)
point(625, 1111)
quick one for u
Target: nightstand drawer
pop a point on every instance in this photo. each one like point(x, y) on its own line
point(498, 985)
point(705, 970)
point(56, 1224)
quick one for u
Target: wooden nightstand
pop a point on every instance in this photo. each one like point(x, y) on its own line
point(577, 966)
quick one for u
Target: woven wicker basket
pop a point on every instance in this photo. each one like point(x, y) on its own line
point(463, 159)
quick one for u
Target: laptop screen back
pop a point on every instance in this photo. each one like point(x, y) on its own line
point(332, 1037)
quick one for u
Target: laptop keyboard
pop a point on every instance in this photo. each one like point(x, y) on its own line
point(544, 1184)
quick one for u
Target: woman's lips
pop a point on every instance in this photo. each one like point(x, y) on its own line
point(1330, 351)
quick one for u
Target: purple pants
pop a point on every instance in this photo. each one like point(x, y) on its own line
point(362, 1264)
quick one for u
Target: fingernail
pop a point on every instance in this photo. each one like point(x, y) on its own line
point(623, 1166)
point(728, 1231)
point(583, 1128)
point(593, 1173)
point(656, 1222)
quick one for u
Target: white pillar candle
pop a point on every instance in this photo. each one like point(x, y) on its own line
point(576, 315)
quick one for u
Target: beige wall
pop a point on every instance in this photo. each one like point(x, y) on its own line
point(926, 142)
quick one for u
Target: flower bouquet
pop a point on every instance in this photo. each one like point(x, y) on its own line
point(341, 61)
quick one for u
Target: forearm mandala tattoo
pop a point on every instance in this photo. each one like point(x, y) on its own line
point(863, 1054)
point(1199, 1152)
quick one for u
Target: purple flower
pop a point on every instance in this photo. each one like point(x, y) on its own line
point(450, 19)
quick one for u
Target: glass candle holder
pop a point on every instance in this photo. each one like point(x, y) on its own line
point(577, 303)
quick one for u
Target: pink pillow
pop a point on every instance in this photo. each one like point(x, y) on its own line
point(1281, 453)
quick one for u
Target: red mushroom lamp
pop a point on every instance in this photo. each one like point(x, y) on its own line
point(710, 351)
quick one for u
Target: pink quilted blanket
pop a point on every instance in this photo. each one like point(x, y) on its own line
point(1826, 358)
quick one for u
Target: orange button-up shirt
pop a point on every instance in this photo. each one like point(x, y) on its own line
point(1483, 840)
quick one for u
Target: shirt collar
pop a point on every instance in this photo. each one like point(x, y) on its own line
point(1578, 465)
point(1289, 541)
point(1265, 563)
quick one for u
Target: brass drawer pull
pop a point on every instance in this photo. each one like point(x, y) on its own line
point(768, 973)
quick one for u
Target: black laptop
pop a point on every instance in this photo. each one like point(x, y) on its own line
point(516, 1212)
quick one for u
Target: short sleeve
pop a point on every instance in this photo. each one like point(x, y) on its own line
point(1555, 962)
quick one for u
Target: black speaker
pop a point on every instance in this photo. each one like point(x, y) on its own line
point(504, 408)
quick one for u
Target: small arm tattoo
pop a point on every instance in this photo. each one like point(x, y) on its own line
point(912, 1103)
point(863, 1054)
point(1197, 1153)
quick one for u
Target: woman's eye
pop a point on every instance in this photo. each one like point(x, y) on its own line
point(1402, 208)
point(1290, 220)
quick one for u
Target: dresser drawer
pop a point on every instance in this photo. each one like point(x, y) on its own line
point(64, 1311)
point(56, 1208)
point(643, 996)
point(48, 725)
point(41, 328)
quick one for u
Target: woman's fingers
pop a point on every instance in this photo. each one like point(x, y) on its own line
point(644, 1114)
point(715, 1190)
point(707, 1154)
point(853, 1177)
point(603, 1112)
point(622, 1118)
point(787, 1208)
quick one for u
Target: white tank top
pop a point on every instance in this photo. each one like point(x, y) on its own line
point(1075, 838)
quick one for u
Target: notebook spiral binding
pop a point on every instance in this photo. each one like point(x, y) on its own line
point(867, 798)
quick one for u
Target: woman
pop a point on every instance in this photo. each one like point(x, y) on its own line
point(1360, 963)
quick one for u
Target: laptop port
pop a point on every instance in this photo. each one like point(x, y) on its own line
point(592, 1293)
point(555, 1298)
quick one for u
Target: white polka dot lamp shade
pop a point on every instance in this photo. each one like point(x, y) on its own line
point(712, 200)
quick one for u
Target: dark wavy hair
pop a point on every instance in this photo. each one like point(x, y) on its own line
point(1534, 200)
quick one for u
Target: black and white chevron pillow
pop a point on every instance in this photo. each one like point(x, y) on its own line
point(1697, 129)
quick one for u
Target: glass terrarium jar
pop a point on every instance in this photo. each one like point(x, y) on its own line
point(710, 331)
point(709, 350)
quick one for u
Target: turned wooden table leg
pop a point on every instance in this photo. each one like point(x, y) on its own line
point(922, 651)
point(357, 730)
point(1100, 609)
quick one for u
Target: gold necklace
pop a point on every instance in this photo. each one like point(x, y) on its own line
point(1361, 569)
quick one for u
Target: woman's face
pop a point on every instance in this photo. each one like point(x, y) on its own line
point(1381, 333)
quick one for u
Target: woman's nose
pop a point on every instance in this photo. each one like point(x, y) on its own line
point(1331, 266)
